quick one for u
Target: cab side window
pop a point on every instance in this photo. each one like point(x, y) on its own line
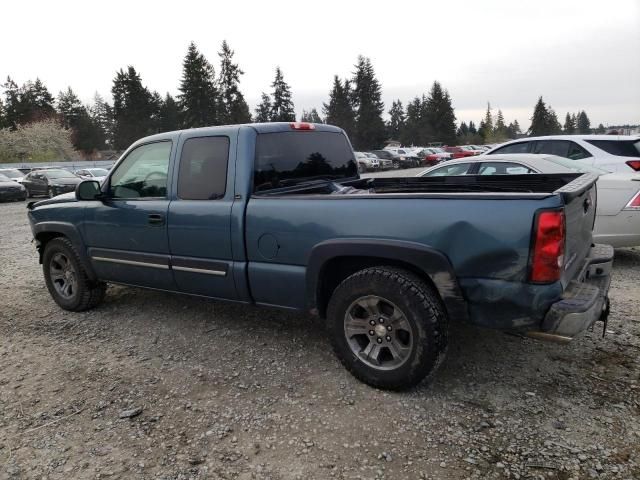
point(143, 173)
point(520, 147)
point(203, 168)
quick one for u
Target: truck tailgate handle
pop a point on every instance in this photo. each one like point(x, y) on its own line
point(155, 219)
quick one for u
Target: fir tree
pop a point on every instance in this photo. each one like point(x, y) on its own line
point(440, 115)
point(102, 115)
point(339, 111)
point(569, 124)
point(3, 120)
point(544, 120)
point(133, 108)
point(281, 106)
point(12, 103)
point(396, 120)
point(42, 107)
point(311, 116)
point(198, 98)
point(367, 99)
point(500, 131)
point(583, 124)
point(70, 108)
point(263, 112)
point(600, 130)
point(486, 130)
point(169, 115)
point(87, 135)
point(463, 130)
point(472, 128)
point(31, 102)
point(513, 130)
point(233, 107)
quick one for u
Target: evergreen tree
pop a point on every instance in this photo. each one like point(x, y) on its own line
point(70, 108)
point(3, 123)
point(486, 130)
point(544, 120)
point(583, 124)
point(233, 107)
point(42, 100)
point(31, 102)
point(396, 120)
point(500, 131)
point(87, 135)
point(569, 124)
point(463, 130)
point(12, 103)
point(600, 130)
point(339, 111)
point(513, 130)
point(311, 116)
point(472, 128)
point(263, 112)
point(133, 108)
point(198, 98)
point(102, 115)
point(415, 124)
point(169, 115)
point(281, 106)
point(370, 130)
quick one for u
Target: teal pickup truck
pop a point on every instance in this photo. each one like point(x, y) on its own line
point(276, 215)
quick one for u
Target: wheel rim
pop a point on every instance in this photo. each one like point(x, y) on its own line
point(63, 275)
point(378, 332)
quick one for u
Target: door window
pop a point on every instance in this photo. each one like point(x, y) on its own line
point(457, 169)
point(203, 168)
point(503, 168)
point(552, 147)
point(576, 152)
point(519, 147)
point(143, 173)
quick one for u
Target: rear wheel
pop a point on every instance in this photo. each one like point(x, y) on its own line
point(387, 327)
point(67, 280)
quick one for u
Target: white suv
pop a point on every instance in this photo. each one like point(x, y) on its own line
point(366, 163)
point(616, 153)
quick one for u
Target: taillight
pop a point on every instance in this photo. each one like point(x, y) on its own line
point(302, 126)
point(634, 204)
point(548, 247)
point(635, 164)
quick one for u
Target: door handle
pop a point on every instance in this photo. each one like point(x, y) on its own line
point(155, 219)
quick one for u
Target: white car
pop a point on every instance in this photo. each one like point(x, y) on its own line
point(366, 163)
point(98, 174)
point(618, 208)
point(13, 174)
point(614, 153)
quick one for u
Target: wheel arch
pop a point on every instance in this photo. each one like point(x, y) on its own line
point(332, 261)
point(44, 232)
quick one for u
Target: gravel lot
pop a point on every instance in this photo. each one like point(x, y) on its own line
point(228, 391)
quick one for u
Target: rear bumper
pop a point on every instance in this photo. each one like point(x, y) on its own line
point(583, 302)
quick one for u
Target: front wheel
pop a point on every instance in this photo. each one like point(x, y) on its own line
point(387, 327)
point(67, 280)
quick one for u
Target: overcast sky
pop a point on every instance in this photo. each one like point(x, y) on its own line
point(577, 54)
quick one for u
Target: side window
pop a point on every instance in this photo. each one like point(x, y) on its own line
point(143, 173)
point(576, 152)
point(552, 147)
point(520, 147)
point(203, 168)
point(449, 170)
point(503, 168)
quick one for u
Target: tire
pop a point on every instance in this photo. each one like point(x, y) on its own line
point(392, 298)
point(28, 193)
point(50, 193)
point(361, 168)
point(396, 164)
point(61, 266)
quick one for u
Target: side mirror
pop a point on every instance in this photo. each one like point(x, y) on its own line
point(88, 190)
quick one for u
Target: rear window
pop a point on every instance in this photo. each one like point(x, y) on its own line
point(622, 148)
point(288, 158)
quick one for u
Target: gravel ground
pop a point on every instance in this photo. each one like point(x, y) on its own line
point(154, 385)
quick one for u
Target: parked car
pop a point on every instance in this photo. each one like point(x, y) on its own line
point(50, 182)
point(397, 160)
point(98, 174)
point(11, 190)
point(461, 152)
point(13, 174)
point(366, 163)
point(384, 163)
point(406, 156)
point(618, 211)
point(275, 214)
point(614, 153)
point(431, 156)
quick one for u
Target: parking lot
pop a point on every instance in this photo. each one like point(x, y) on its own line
point(230, 391)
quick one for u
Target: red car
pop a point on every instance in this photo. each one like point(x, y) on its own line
point(461, 152)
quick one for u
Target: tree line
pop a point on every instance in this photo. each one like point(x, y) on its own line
point(207, 97)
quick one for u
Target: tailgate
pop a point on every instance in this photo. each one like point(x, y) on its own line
point(579, 198)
